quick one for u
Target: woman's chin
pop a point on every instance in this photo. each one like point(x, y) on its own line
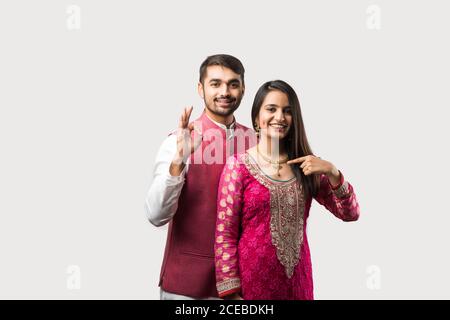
point(276, 136)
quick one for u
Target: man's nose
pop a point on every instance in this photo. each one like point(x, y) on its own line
point(224, 90)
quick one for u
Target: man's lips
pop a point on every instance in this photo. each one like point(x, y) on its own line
point(224, 101)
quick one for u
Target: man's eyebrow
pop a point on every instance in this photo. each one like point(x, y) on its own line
point(230, 81)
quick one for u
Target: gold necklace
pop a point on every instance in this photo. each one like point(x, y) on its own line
point(276, 164)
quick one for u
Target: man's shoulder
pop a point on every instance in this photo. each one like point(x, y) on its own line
point(242, 127)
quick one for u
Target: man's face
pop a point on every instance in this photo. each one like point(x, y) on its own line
point(222, 90)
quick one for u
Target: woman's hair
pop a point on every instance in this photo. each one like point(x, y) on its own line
point(296, 142)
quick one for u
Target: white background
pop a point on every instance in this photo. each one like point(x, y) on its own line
point(84, 108)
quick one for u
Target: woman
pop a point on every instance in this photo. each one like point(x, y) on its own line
point(261, 247)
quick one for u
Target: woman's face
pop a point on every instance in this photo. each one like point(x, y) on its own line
point(275, 117)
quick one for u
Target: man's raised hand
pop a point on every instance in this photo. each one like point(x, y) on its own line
point(186, 142)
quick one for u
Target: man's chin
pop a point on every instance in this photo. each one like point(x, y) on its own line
point(224, 111)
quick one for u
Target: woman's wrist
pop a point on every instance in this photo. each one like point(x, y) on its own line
point(334, 177)
point(233, 296)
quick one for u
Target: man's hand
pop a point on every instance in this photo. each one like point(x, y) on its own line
point(186, 145)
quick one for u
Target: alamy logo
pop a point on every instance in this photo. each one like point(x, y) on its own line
point(374, 280)
point(373, 21)
point(73, 21)
point(74, 278)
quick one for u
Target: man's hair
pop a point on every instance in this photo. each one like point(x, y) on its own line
point(223, 60)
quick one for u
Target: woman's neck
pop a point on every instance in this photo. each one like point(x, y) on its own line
point(274, 148)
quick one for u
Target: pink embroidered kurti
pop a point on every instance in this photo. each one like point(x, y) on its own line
point(261, 247)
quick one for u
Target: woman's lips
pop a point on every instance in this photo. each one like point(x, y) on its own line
point(278, 127)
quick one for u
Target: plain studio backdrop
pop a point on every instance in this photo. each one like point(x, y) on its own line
point(89, 90)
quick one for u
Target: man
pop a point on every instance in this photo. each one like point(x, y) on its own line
point(187, 172)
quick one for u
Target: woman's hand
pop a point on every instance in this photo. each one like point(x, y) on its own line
point(234, 296)
point(315, 165)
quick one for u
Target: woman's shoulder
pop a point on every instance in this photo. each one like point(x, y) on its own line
point(237, 161)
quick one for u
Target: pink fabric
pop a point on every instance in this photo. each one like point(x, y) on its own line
point(246, 260)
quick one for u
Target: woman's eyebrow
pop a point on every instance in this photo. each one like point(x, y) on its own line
point(276, 106)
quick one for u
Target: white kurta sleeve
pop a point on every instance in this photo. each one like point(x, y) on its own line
point(161, 201)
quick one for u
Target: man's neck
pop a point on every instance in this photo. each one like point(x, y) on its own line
point(225, 120)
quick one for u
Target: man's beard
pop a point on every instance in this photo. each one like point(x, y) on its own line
point(213, 108)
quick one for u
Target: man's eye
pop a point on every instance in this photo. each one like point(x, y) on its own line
point(235, 85)
point(215, 84)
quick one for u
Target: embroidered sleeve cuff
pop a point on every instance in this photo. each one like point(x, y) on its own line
point(228, 286)
point(342, 191)
point(341, 181)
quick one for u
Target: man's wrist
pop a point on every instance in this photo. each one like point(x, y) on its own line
point(176, 168)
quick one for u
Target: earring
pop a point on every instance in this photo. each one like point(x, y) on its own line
point(257, 129)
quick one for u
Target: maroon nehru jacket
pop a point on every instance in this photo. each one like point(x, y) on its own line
point(188, 265)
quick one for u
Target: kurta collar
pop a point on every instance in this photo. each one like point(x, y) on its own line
point(220, 125)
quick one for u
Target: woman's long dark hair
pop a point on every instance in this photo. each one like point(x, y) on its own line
point(296, 142)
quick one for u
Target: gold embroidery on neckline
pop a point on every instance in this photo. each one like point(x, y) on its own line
point(286, 216)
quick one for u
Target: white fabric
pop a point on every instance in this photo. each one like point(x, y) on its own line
point(161, 201)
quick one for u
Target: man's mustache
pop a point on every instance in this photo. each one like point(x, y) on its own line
point(226, 97)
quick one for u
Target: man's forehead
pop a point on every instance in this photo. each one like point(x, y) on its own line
point(222, 73)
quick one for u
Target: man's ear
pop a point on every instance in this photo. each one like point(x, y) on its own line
point(243, 90)
point(200, 90)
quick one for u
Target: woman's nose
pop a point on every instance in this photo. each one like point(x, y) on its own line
point(279, 116)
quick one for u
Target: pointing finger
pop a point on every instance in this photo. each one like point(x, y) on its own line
point(298, 160)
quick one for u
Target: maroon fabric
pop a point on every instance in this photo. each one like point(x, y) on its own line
point(188, 265)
